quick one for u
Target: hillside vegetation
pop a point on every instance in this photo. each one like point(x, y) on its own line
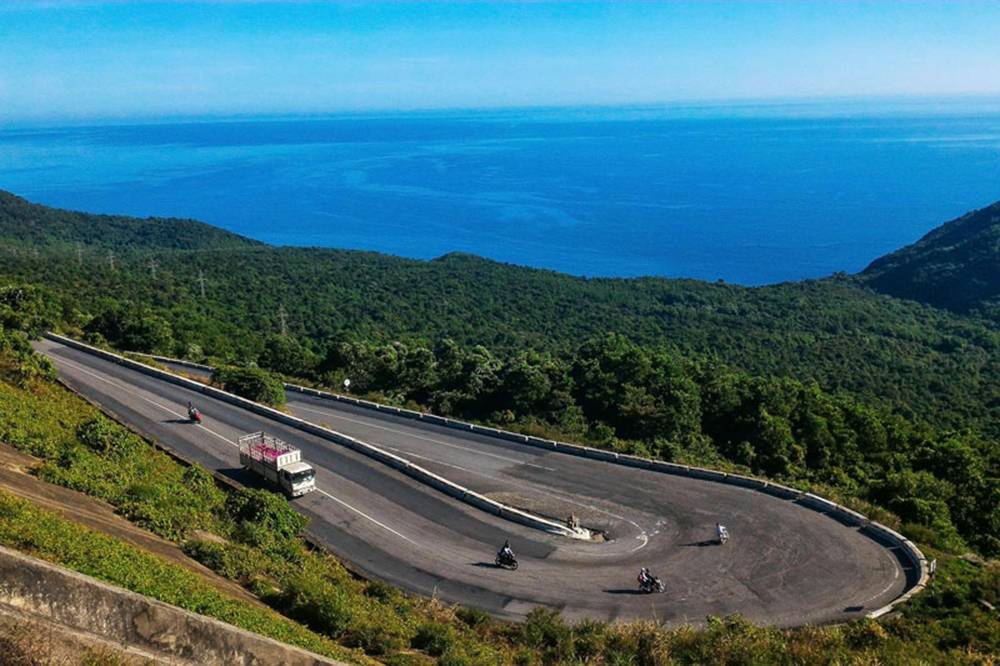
point(257, 542)
point(36, 227)
point(922, 362)
point(956, 266)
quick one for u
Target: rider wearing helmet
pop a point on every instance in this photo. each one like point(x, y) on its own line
point(505, 552)
point(721, 533)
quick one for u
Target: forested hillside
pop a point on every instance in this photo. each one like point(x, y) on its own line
point(914, 358)
point(821, 381)
point(952, 622)
point(956, 266)
point(887, 405)
point(33, 226)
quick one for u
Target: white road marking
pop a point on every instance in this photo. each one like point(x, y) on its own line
point(227, 440)
point(895, 575)
point(133, 392)
point(368, 424)
point(365, 515)
point(642, 536)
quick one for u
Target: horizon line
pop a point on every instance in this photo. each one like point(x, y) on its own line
point(692, 104)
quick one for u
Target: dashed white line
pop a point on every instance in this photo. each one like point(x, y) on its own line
point(227, 440)
point(136, 394)
point(365, 515)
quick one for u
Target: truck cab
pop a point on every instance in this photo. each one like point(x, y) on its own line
point(298, 478)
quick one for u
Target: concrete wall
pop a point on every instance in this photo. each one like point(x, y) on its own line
point(144, 626)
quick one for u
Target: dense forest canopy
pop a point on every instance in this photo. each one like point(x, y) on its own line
point(822, 382)
point(918, 360)
point(34, 226)
point(956, 266)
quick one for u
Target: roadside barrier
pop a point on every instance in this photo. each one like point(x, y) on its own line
point(870, 528)
point(416, 472)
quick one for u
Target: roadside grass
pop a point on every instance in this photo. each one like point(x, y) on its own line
point(38, 532)
point(253, 537)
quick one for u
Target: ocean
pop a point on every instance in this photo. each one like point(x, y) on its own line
point(750, 195)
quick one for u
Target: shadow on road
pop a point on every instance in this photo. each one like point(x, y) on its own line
point(187, 421)
point(484, 565)
point(244, 477)
point(701, 544)
point(629, 590)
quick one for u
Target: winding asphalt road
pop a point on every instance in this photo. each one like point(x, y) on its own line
point(786, 565)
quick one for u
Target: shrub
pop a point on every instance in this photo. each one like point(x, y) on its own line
point(252, 383)
point(434, 638)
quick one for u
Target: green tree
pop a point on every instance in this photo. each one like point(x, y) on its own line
point(252, 383)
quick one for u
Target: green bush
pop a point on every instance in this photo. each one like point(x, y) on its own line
point(252, 383)
point(434, 638)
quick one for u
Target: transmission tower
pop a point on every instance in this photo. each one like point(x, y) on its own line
point(201, 283)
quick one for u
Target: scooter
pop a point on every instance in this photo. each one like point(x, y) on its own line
point(651, 585)
point(506, 561)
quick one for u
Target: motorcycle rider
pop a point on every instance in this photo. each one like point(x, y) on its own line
point(506, 553)
point(644, 578)
point(193, 413)
point(721, 533)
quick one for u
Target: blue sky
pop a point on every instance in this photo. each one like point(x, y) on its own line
point(76, 59)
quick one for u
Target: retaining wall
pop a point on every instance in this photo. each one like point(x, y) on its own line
point(169, 634)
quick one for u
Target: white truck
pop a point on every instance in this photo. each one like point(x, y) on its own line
point(278, 462)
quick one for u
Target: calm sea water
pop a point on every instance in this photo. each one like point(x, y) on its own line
point(747, 197)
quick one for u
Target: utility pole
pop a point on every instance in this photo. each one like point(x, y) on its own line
point(283, 316)
point(111, 259)
point(152, 267)
point(201, 283)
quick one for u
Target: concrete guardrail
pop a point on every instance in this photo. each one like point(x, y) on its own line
point(807, 500)
point(852, 518)
point(398, 463)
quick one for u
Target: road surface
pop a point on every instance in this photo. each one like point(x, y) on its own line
point(785, 565)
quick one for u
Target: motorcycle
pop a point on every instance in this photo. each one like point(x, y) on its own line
point(194, 416)
point(506, 561)
point(651, 585)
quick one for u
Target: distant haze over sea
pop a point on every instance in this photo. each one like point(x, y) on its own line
point(753, 195)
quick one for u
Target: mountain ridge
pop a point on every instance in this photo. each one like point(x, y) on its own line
point(24, 222)
point(955, 266)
